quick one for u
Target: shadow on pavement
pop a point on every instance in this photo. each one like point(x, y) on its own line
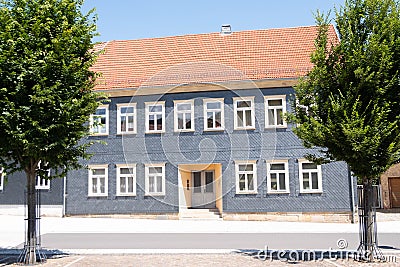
point(10, 256)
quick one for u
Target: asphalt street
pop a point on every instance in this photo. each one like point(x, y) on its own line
point(209, 240)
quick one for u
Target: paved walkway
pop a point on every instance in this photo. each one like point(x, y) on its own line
point(12, 236)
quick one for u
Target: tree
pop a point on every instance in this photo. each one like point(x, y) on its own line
point(349, 103)
point(46, 92)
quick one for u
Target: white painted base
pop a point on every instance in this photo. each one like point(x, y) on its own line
point(20, 210)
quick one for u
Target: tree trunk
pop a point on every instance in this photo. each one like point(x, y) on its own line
point(368, 227)
point(31, 238)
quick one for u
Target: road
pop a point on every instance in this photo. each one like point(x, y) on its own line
point(233, 241)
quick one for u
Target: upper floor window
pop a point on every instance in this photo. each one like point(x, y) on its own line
point(99, 121)
point(126, 118)
point(310, 177)
point(155, 117)
point(98, 180)
point(275, 107)
point(155, 179)
point(244, 113)
point(213, 114)
point(184, 115)
point(42, 183)
point(126, 180)
point(278, 176)
point(1, 179)
point(246, 177)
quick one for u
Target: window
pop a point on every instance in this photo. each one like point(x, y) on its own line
point(98, 180)
point(99, 121)
point(155, 117)
point(310, 177)
point(246, 177)
point(184, 116)
point(1, 179)
point(42, 183)
point(244, 113)
point(277, 177)
point(275, 107)
point(126, 118)
point(213, 114)
point(155, 179)
point(126, 180)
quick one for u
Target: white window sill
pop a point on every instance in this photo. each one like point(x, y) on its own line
point(214, 130)
point(276, 127)
point(99, 134)
point(184, 131)
point(154, 194)
point(98, 195)
point(126, 133)
point(244, 128)
point(246, 193)
point(310, 191)
point(154, 132)
point(126, 195)
point(275, 192)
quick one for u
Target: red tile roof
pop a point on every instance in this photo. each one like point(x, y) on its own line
point(201, 58)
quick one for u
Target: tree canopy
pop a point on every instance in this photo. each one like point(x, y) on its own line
point(349, 103)
point(46, 85)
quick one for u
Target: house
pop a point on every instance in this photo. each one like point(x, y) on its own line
point(195, 123)
point(390, 187)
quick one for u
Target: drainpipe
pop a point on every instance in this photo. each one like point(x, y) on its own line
point(64, 195)
point(353, 201)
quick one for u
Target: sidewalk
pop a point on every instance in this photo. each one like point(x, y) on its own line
point(12, 227)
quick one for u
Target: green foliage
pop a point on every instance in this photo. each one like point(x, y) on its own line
point(352, 95)
point(46, 86)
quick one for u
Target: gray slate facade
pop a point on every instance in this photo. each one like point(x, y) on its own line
point(202, 147)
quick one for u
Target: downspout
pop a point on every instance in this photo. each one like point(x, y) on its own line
point(352, 194)
point(64, 195)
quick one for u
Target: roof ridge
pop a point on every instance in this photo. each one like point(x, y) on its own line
point(213, 33)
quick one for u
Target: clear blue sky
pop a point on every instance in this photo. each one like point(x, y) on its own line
point(135, 19)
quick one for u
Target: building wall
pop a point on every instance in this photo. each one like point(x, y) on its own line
point(12, 197)
point(200, 147)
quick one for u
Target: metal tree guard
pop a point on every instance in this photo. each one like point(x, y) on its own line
point(363, 253)
point(40, 256)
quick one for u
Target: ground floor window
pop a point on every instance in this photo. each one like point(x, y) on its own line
point(155, 179)
point(278, 176)
point(246, 177)
point(42, 181)
point(310, 177)
point(126, 180)
point(98, 180)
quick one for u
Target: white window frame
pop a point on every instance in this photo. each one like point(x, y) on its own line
point(206, 110)
point(148, 113)
point(177, 112)
point(237, 175)
point(42, 183)
point(277, 172)
point(236, 110)
point(92, 119)
point(2, 179)
point(119, 176)
point(90, 181)
point(147, 178)
point(319, 173)
point(119, 115)
point(275, 108)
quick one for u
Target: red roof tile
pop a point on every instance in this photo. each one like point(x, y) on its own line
point(202, 58)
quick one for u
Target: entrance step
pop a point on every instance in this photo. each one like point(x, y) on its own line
point(200, 214)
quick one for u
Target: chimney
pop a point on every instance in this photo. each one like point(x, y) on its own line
point(226, 29)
